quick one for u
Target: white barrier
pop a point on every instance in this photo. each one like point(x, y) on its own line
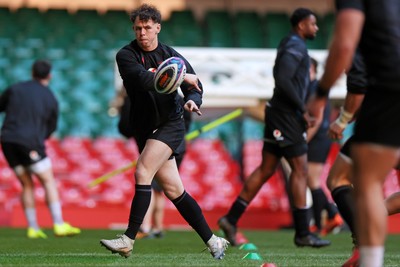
point(237, 77)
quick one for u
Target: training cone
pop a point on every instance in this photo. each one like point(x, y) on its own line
point(248, 246)
point(252, 256)
point(268, 264)
point(241, 238)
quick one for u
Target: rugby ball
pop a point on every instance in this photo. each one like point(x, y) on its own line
point(169, 75)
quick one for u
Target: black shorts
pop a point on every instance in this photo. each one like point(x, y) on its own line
point(345, 150)
point(17, 154)
point(284, 134)
point(172, 133)
point(156, 187)
point(379, 119)
point(318, 149)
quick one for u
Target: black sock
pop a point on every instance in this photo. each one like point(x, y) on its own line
point(343, 196)
point(319, 202)
point(300, 218)
point(139, 206)
point(191, 212)
point(236, 211)
point(331, 209)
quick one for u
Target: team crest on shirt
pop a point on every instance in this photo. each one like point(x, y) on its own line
point(278, 135)
point(34, 155)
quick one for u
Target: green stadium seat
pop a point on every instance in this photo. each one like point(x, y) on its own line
point(189, 35)
point(327, 27)
point(184, 29)
point(60, 15)
point(218, 29)
point(115, 16)
point(4, 62)
point(3, 81)
point(4, 13)
point(182, 17)
point(166, 35)
point(5, 17)
point(28, 14)
point(249, 31)
point(277, 26)
point(22, 52)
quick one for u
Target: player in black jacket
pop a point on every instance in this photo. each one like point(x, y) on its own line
point(286, 122)
point(31, 117)
point(158, 128)
point(373, 26)
point(319, 145)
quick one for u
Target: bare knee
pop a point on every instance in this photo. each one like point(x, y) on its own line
point(24, 178)
point(173, 192)
point(334, 181)
point(143, 176)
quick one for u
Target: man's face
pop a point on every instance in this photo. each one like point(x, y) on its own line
point(309, 27)
point(146, 33)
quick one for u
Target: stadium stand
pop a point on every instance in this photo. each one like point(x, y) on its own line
point(82, 48)
point(248, 30)
point(216, 30)
point(328, 21)
point(276, 26)
point(185, 29)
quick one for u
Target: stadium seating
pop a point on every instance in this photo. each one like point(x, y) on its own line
point(217, 29)
point(82, 48)
point(77, 161)
point(328, 22)
point(249, 30)
point(184, 28)
point(276, 26)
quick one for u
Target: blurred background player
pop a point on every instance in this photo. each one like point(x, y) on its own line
point(339, 179)
point(319, 145)
point(286, 122)
point(160, 134)
point(376, 145)
point(31, 117)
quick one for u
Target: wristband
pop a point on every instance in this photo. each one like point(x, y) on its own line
point(321, 92)
point(344, 118)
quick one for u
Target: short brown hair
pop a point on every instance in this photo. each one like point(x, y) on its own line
point(146, 12)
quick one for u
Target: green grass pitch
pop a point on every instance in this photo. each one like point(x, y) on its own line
point(177, 248)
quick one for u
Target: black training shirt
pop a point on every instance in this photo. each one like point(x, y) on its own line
point(380, 41)
point(357, 75)
point(150, 109)
point(291, 74)
point(31, 114)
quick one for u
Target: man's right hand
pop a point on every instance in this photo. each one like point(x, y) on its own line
point(335, 131)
